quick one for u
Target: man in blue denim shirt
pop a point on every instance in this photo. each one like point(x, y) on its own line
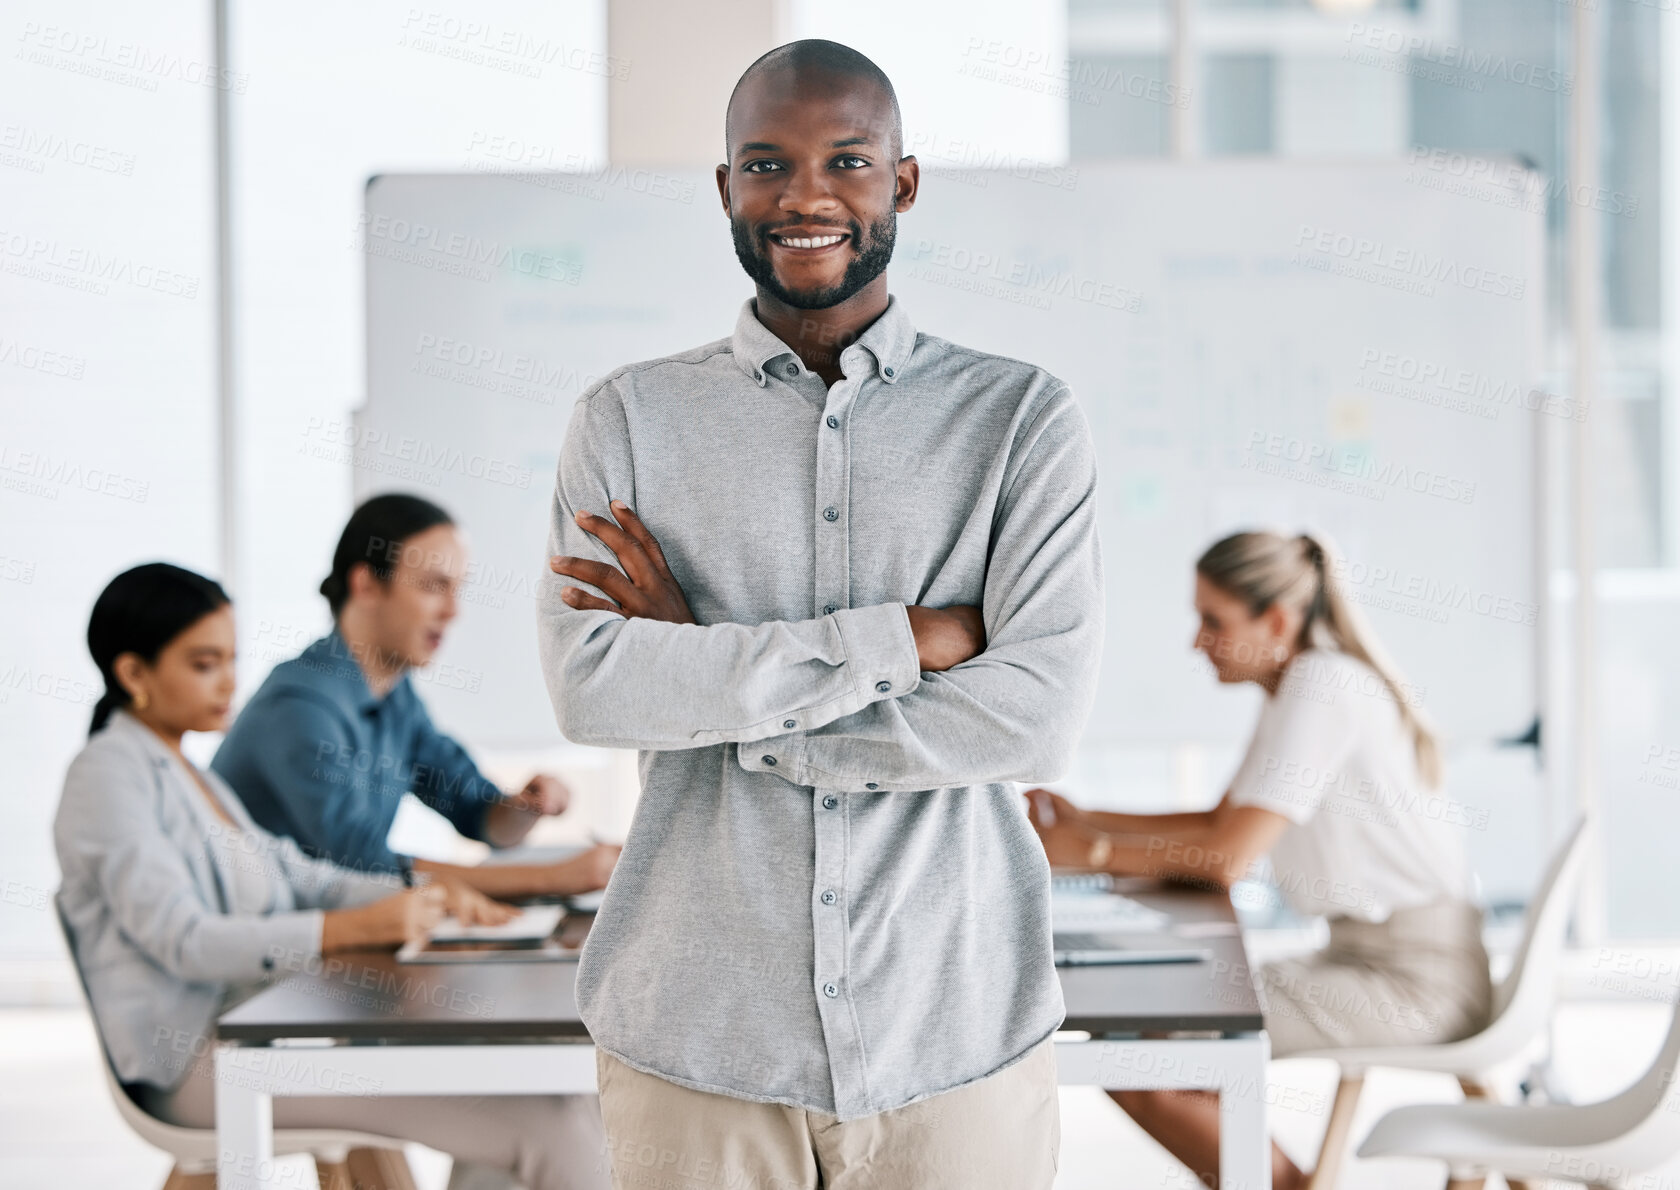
point(328, 745)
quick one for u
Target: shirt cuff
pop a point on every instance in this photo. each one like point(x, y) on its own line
point(287, 943)
point(880, 650)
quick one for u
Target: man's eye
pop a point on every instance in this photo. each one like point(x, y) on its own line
point(852, 161)
point(752, 167)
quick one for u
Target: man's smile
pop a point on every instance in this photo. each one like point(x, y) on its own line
point(809, 241)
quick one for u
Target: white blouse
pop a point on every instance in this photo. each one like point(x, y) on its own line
point(1332, 754)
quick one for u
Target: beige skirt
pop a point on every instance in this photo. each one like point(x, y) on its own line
point(1417, 978)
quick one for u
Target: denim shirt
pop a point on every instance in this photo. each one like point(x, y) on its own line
point(317, 756)
point(830, 896)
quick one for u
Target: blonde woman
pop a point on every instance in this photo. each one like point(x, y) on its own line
point(1339, 788)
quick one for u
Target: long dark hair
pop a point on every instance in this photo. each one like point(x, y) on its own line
point(375, 536)
point(141, 611)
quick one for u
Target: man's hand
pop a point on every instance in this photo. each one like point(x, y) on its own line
point(585, 872)
point(645, 588)
point(542, 795)
point(946, 636)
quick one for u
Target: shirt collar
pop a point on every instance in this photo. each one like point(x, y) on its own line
point(889, 340)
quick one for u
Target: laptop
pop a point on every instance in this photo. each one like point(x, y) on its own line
point(1092, 950)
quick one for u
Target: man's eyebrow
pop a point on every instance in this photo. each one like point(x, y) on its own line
point(852, 140)
point(758, 146)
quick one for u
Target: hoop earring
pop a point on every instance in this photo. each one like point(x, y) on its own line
point(142, 701)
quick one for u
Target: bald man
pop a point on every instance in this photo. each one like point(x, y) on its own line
point(838, 581)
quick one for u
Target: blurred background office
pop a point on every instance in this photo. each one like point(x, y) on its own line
point(185, 371)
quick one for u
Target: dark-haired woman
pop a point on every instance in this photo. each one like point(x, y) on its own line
point(327, 747)
point(1340, 789)
point(179, 906)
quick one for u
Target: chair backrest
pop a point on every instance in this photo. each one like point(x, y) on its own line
point(1524, 997)
point(1641, 1125)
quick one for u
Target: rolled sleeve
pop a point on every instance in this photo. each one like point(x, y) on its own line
point(449, 781)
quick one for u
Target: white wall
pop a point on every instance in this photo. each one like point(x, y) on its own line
point(107, 446)
point(107, 433)
point(986, 82)
point(338, 93)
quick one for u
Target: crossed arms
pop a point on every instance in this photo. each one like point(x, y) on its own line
point(889, 697)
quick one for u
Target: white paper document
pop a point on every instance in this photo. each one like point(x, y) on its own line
point(534, 922)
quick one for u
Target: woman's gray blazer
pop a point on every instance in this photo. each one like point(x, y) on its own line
point(173, 913)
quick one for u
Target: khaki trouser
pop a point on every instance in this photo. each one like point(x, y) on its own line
point(1002, 1132)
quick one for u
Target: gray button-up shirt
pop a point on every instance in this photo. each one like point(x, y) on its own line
point(830, 896)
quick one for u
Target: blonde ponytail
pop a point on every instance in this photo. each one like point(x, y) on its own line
point(1263, 568)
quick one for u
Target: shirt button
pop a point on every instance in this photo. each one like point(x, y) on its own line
point(831, 513)
point(829, 609)
point(790, 723)
point(793, 369)
point(769, 760)
point(888, 371)
point(828, 897)
point(831, 990)
point(883, 687)
point(870, 785)
point(833, 422)
point(830, 802)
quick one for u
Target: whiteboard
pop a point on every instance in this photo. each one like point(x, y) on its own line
point(1342, 347)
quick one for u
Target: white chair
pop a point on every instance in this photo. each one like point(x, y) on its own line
point(1609, 1144)
point(343, 1159)
point(1522, 1005)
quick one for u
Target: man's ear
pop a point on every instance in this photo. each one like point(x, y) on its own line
point(361, 582)
point(909, 181)
point(723, 186)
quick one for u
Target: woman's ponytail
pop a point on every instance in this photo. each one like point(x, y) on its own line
point(1341, 622)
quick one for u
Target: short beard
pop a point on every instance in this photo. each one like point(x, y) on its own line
point(870, 263)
